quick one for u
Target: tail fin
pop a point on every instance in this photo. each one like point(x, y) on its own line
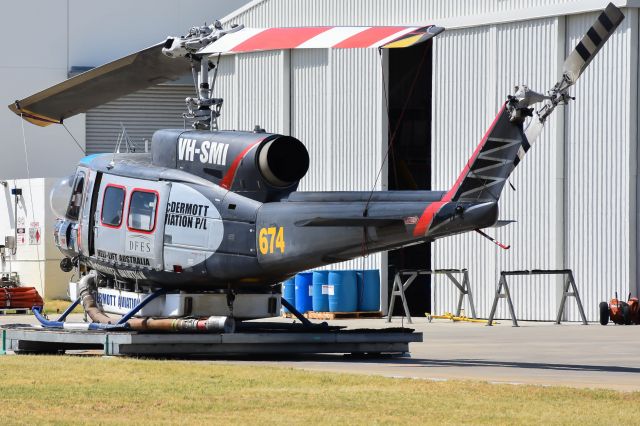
point(505, 143)
point(494, 159)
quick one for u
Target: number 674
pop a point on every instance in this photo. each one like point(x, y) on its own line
point(271, 238)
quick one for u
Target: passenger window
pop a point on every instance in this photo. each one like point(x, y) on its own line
point(112, 206)
point(142, 211)
point(73, 211)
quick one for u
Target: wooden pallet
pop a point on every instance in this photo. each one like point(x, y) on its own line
point(336, 315)
point(16, 311)
point(343, 315)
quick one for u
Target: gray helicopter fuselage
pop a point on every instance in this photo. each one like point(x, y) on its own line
point(194, 215)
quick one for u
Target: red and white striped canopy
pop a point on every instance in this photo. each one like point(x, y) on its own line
point(259, 39)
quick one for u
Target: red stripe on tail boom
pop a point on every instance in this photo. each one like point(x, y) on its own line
point(432, 209)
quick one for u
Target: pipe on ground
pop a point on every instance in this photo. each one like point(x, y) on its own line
point(211, 324)
point(87, 286)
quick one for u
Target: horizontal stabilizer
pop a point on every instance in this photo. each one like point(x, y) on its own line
point(501, 223)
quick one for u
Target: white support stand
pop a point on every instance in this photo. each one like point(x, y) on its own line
point(399, 288)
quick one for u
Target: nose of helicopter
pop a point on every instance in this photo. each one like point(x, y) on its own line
point(60, 195)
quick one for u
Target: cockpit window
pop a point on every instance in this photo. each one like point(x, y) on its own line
point(142, 210)
point(73, 211)
point(112, 206)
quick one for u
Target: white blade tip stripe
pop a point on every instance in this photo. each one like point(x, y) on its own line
point(331, 37)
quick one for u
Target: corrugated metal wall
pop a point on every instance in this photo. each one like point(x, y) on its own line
point(464, 99)
point(339, 118)
point(602, 167)
point(226, 88)
point(563, 204)
point(142, 113)
point(376, 12)
point(576, 190)
point(263, 91)
point(528, 53)
point(475, 69)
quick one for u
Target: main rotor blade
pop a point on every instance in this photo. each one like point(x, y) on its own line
point(592, 42)
point(261, 39)
point(100, 85)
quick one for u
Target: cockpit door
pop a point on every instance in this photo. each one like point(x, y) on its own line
point(85, 228)
point(129, 222)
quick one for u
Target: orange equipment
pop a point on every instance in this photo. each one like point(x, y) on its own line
point(19, 298)
point(620, 312)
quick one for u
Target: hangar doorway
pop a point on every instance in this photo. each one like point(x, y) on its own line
point(409, 91)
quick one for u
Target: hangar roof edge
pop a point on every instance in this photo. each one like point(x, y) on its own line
point(472, 19)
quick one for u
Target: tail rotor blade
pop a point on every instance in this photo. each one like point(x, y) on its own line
point(592, 42)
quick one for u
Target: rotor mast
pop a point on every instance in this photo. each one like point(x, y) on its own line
point(203, 111)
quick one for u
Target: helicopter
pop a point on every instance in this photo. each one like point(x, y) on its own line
point(198, 232)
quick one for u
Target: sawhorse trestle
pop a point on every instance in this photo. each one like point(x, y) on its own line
point(569, 289)
point(400, 287)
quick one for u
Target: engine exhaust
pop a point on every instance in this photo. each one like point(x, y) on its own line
point(283, 161)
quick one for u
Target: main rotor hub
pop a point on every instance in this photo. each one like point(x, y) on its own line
point(203, 111)
point(187, 45)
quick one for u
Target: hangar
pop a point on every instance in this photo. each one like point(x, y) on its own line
point(575, 197)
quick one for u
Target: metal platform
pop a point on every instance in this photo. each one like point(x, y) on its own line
point(251, 342)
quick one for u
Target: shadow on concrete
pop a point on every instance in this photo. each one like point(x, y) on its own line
point(512, 364)
point(391, 361)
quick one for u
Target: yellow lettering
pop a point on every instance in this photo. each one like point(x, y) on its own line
point(271, 237)
point(280, 239)
point(262, 241)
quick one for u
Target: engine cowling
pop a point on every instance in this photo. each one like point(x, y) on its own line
point(261, 166)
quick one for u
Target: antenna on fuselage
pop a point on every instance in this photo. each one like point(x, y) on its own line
point(129, 145)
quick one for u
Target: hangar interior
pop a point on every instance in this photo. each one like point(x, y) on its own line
point(409, 159)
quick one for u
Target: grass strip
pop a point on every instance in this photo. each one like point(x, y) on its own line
point(74, 389)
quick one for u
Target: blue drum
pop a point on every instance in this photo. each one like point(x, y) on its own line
point(304, 292)
point(289, 292)
point(368, 290)
point(321, 291)
point(343, 291)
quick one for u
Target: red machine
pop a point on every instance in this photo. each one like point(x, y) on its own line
point(14, 297)
point(619, 312)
